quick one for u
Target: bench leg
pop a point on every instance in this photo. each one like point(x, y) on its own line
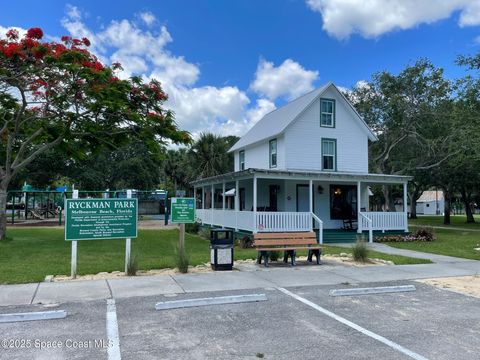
point(265, 258)
point(290, 253)
point(310, 255)
point(259, 258)
point(285, 256)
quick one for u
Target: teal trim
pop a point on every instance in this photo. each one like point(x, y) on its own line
point(326, 101)
point(270, 153)
point(335, 162)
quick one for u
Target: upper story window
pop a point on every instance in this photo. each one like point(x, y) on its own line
point(273, 153)
point(327, 112)
point(329, 154)
point(241, 160)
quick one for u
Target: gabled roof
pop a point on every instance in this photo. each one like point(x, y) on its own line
point(431, 195)
point(276, 122)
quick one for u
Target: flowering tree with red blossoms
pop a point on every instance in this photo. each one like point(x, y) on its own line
point(60, 94)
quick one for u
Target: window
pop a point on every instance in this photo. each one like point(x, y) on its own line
point(329, 154)
point(273, 153)
point(327, 112)
point(241, 160)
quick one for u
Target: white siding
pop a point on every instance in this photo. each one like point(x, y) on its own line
point(303, 139)
point(257, 156)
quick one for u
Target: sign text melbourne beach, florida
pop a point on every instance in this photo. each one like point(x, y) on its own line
point(92, 219)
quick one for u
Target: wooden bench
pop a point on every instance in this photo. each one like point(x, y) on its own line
point(289, 243)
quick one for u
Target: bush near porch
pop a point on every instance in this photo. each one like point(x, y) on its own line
point(424, 233)
point(31, 254)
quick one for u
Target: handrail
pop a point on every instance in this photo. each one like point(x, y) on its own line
point(370, 227)
point(320, 227)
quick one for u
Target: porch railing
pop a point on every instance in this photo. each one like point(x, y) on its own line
point(383, 221)
point(283, 221)
point(264, 221)
point(364, 220)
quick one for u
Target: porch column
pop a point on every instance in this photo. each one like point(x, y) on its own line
point(212, 203)
point(223, 197)
point(255, 203)
point(310, 201)
point(203, 197)
point(405, 208)
point(237, 204)
point(359, 207)
point(195, 196)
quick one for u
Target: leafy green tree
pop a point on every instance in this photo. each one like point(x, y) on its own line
point(59, 95)
point(404, 111)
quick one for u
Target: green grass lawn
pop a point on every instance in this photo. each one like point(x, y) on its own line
point(455, 221)
point(459, 243)
point(31, 254)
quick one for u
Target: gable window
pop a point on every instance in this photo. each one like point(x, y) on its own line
point(241, 160)
point(327, 112)
point(329, 154)
point(273, 153)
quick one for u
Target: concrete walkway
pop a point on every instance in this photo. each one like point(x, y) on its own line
point(249, 277)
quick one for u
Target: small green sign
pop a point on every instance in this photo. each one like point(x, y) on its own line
point(98, 219)
point(182, 210)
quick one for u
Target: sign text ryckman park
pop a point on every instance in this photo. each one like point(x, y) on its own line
point(97, 219)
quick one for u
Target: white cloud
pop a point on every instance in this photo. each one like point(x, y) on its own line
point(148, 18)
point(372, 18)
point(3, 31)
point(289, 80)
point(223, 110)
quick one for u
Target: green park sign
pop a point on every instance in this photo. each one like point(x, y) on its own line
point(182, 210)
point(98, 219)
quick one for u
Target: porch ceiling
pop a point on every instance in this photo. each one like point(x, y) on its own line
point(303, 175)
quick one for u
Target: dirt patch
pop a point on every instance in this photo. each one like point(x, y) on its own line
point(469, 285)
point(342, 259)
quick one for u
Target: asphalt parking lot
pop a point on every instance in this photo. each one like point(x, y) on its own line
point(429, 323)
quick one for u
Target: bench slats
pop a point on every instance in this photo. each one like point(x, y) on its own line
point(290, 248)
point(285, 242)
point(285, 235)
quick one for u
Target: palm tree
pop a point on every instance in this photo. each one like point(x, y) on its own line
point(209, 155)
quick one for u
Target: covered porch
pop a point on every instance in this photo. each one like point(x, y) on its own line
point(257, 200)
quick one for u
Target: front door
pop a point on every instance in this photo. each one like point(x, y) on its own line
point(303, 198)
point(273, 195)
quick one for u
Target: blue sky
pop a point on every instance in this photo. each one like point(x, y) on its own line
point(226, 63)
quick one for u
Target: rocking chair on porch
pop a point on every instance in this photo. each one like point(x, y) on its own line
point(350, 224)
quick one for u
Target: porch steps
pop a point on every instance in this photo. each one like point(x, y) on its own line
point(341, 236)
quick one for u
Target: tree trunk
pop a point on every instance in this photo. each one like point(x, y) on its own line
point(466, 202)
point(389, 201)
point(3, 213)
point(448, 204)
point(413, 207)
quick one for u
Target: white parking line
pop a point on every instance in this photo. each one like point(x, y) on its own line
point(113, 349)
point(364, 331)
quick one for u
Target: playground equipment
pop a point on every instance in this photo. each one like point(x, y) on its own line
point(44, 206)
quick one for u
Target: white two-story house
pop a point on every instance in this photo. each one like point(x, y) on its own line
point(302, 167)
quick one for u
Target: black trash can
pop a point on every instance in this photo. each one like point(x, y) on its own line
point(221, 249)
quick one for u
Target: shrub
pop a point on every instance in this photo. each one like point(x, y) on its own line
point(274, 255)
point(192, 228)
point(246, 242)
point(181, 260)
point(360, 250)
point(422, 234)
point(132, 266)
point(425, 234)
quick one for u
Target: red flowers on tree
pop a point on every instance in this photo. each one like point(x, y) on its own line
point(35, 33)
point(54, 93)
